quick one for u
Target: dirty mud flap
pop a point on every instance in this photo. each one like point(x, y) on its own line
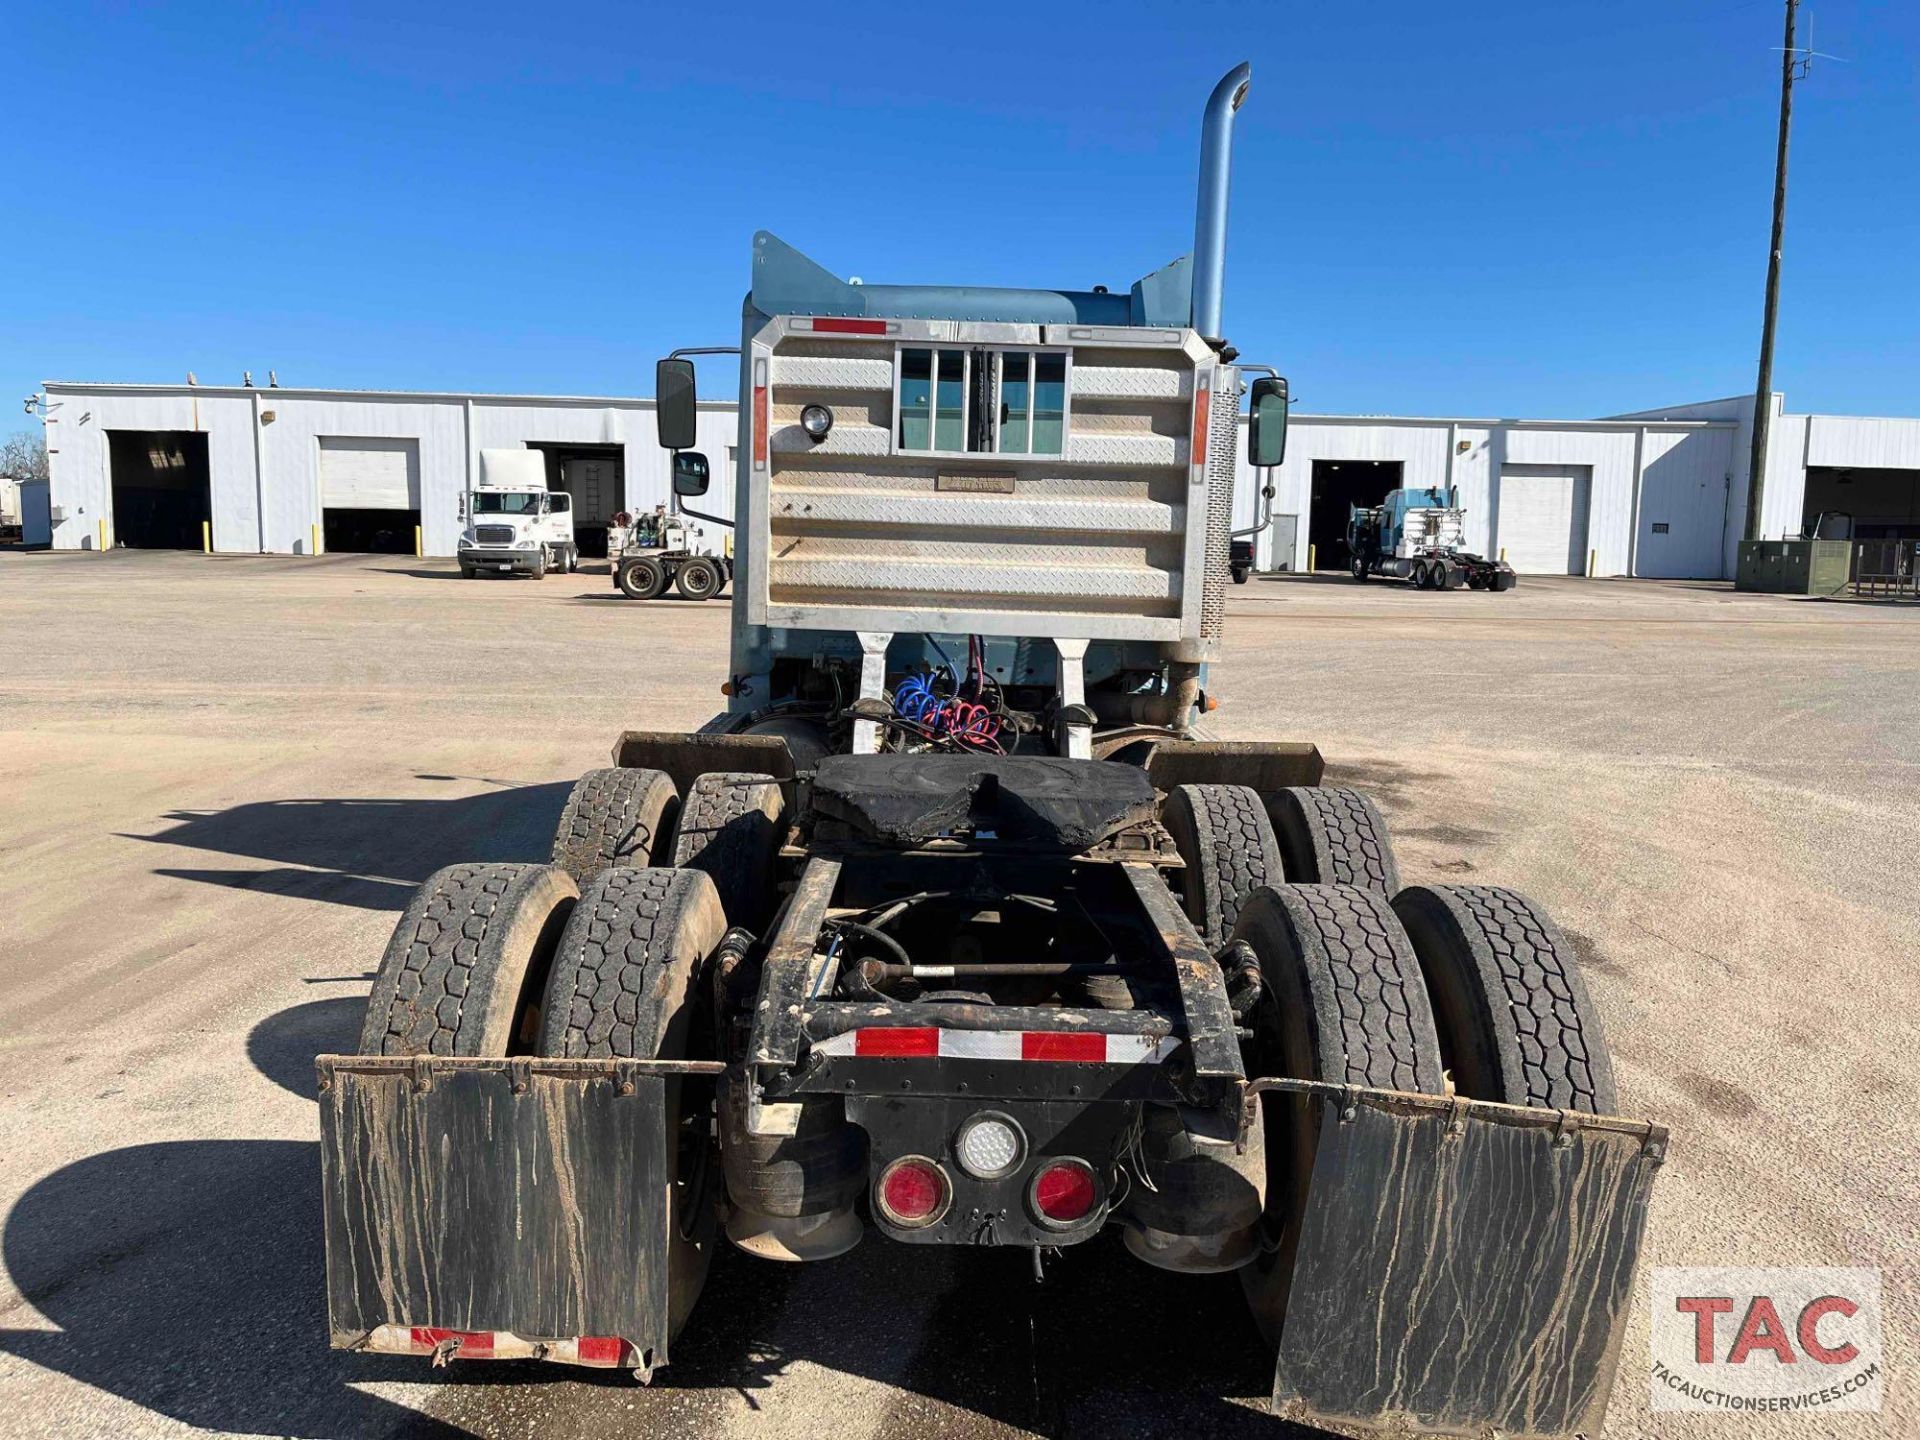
point(498, 1208)
point(1463, 1268)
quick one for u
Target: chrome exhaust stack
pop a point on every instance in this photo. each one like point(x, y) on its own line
point(1210, 219)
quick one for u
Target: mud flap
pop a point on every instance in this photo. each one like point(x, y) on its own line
point(523, 1201)
point(1463, 1268)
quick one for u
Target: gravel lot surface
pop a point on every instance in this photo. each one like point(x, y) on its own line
point(221, 778)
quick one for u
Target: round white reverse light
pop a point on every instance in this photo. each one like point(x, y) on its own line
point(989, 1146)
point(816, 420)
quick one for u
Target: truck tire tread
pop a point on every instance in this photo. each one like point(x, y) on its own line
point(1330, 835)
point(467, 955)
point(1372, 1019)
point(731, 825)
point(1515, 1016)
point(1223, 834)
point(1344, 1003)
point(614, 816)
point(626, 962)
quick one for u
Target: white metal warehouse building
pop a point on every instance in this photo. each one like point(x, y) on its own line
point(1659, 493)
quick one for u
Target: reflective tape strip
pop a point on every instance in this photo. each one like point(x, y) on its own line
point(600, 1350)
point(980, 1044)
point(1067, 1045)
point(918, 1040)
point(1085, 1047)
point(830, 325)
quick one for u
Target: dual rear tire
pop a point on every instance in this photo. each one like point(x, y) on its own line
point(600, 955)
point(645, 577)
point(730, 825)
point(1427, 989)
point(640, 578)
point(1468, 990)
point(497, 960)
point(615, 817)
point(1235, 841)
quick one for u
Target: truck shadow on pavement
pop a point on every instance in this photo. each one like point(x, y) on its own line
point(186, 1277)
point(1106, 1346)
point(282, 1047)
point(364, 853)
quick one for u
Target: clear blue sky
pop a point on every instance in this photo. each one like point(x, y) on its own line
point(1513, 208)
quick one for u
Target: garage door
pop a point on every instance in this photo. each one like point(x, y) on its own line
point(357, 473)
point(1543, 517)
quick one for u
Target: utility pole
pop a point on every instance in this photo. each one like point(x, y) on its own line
point(1763, 387)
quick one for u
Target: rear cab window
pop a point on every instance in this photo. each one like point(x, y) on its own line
point(976, 400)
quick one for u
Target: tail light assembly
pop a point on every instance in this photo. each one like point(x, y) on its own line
point(1063, 1193)
point(913, 1192)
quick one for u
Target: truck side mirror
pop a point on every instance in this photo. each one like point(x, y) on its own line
point(689, 473)
point(674, 404)
point(1267, 433)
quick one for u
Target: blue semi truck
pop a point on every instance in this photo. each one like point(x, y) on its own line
point(952, 929)
point(1419, 535)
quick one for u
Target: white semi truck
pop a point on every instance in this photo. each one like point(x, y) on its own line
point(512, 523)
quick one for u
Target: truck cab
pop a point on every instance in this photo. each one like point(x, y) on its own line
point(512, 523)
point(1039, 480)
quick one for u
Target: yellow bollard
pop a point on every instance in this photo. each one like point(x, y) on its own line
point(417, 551)
point(1593, 562)
point(313, 545)
point(1503, 554)
point(1313, 558)
point(206, 537)
point(103, 535)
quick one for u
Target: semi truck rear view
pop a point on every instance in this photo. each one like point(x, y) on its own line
point(950, 929)
point(1420, 535)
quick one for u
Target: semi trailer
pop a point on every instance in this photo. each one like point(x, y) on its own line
point(950, 930)
point(1420, 535)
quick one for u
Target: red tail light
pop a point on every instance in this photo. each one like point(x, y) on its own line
point(913, 1191)
point(1064, 1191)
